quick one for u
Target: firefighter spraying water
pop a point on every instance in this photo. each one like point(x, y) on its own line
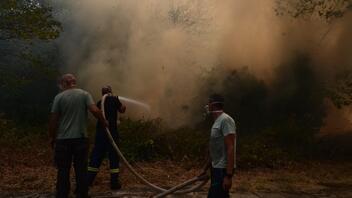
point(112, 106)
point(202, 179)
point(68, 111)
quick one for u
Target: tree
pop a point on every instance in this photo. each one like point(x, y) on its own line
point(27, 59)
point(325, 9)
point(27, 19)
point(341, 91)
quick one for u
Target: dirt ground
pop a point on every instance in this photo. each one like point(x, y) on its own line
point(30, 173)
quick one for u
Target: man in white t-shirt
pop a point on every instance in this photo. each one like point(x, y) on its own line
point(68, 135)
point(222, 148)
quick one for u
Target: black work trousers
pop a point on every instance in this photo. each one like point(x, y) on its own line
point(102, 147)
point(66, 152)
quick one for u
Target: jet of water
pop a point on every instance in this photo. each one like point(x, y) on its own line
point(135, 102)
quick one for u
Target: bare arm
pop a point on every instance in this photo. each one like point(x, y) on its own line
point(97, 113)
point(53, 124)
point(230, 146)
point(122, 109)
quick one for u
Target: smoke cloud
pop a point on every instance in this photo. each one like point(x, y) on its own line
point(161, 51)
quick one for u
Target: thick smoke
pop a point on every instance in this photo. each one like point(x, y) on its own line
point(161, 51)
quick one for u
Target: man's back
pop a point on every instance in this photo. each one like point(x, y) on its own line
point(111, 106)
point(72, 106)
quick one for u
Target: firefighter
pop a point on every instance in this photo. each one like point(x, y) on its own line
point(102, 146)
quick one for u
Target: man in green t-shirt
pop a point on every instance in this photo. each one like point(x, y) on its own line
point(222, 148)
point(68, 134)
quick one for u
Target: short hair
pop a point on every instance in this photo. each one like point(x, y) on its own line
point(68, 80)
point(217, 100)
point(106, 89)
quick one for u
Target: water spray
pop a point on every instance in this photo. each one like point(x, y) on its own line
point(203, 178)
point(135, 102)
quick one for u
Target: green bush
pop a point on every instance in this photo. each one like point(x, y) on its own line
point(183, 144)
point(14, 135)
point(260, 150)
point(137, 138)
point(149, 140)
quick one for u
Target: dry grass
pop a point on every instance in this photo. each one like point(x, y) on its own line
point(32, 170)
point(310, 177)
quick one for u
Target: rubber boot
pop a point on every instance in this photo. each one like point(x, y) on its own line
point(115, 182)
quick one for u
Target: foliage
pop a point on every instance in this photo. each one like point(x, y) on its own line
point(298, 94)
point(14, 135)
point(137, 138)
point(261, 150)
point(28, 61)
point(276, 120)
point(148, 139)
point(341, 90)
point(183, 144)
point(27, 19)
point(326, 9)
point(28, 85)
point(246, 98)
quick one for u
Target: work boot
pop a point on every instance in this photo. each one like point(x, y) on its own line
point(115, 182)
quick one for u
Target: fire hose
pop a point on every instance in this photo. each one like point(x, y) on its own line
point(163, 192)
